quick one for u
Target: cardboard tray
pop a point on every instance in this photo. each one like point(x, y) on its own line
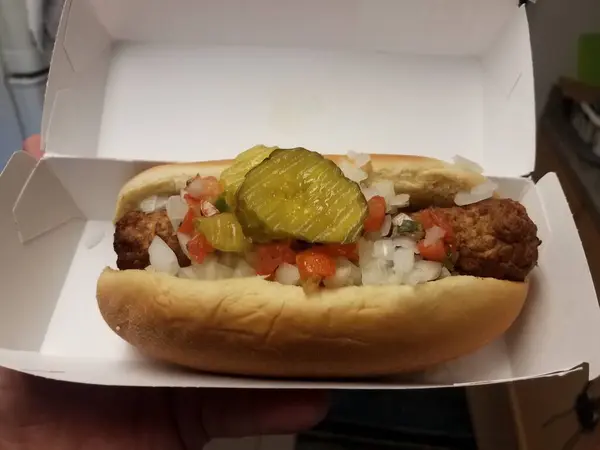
point(136, 83)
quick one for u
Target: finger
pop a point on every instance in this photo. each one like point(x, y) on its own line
point(241, 412)
point(33, 146)
point(251, 412)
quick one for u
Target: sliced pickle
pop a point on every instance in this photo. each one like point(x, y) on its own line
point(299, 194)
point(233, 176)
point(223, 231)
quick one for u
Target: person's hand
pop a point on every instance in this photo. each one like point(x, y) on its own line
point(38, 413)
point(32, 145)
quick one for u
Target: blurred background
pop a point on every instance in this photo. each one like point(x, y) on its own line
point(543, 414)
point(27, 28)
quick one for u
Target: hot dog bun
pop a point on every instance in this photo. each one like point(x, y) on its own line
point(428, 181)
point(260, 328)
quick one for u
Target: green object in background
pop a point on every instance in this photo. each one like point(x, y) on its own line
point(589, 59)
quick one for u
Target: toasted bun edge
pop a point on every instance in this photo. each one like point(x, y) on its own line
point(258, 328)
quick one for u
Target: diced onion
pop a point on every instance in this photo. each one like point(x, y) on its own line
point(176, 210)
point(208, 259)
point(372, 236)
point(445, 273)
point(183, 242)
point(352, 172)
point(221, 271)
point(211, 269)
point(187, 272)
point(365, 251)
point(467, 164)
point(400, 200)
point(384, 249)
point(346, 274)
point(287, 274)
point(196, 187)
point(386, 226)
point(162, 258)
point(385, 188)
point(376, 272)
point(432, 235)
point(369, 192)
point(153, 203)
point(208, 209)
point(161, 202)
point(404, 260)
point(359, 159)
point(479, 193)
point(229, 259)
point(243, 269)
point(400, 218)
point(488, 187)
point(423, 272)
point(406, 242)
point(148, 204)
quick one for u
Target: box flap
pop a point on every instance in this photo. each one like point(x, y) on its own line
point(14, 175)
point(28, 303)
point(43, 204)
point(146, 373)
point(559, 324)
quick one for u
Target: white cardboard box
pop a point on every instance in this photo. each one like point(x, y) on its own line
point(139, 82)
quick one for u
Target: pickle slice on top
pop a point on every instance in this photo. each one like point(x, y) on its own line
point(234, 175)
point(299, 194)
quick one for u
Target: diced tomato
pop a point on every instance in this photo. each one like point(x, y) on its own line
point(212, 189)
point(187, 226)
point(426, 217)
point(430, 218)
point(434, 252)
point(349, 251)
point(270, 256)
point(315, 264)
point(198, 247)
point(201, 206)
point(194, 203)
point(376, 214)
point(204, 188)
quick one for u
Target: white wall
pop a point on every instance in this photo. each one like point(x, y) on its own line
point(555, 28)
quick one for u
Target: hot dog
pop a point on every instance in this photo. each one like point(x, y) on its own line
point(287, 263)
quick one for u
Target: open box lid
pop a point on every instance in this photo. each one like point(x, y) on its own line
point(179, 80)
